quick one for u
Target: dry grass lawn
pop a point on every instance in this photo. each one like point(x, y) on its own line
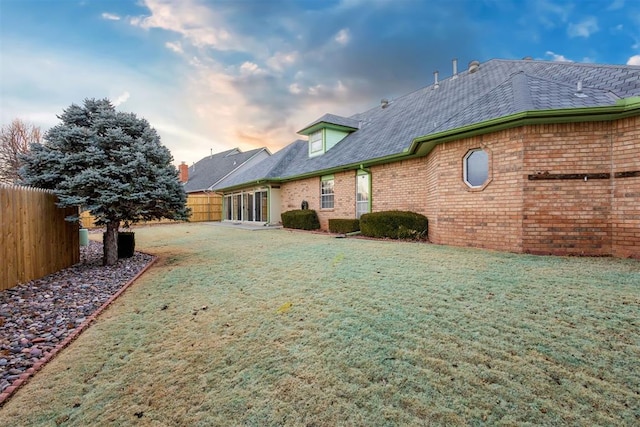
point(270, 328)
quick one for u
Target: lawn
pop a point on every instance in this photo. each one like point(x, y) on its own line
point(273, 327)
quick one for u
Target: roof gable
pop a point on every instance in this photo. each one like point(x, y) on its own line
point(207, 172)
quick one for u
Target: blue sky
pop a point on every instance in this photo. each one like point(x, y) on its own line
point(211, 75)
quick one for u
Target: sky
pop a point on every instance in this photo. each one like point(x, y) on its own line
point(211, 75)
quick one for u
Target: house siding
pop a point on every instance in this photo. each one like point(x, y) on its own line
point(597, 217)
point(458, 215)
point(625, 211)
point(568, 216)
point(293, 193)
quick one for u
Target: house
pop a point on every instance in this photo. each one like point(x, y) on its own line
point(204, 175)
point(200, 179)
point(516, 155)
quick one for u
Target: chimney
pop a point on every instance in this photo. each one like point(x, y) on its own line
point(455, 69)
point(473, 66)
point(183, 174)
point(436, 85)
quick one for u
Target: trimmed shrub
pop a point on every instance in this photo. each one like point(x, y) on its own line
point(394, 225)
point(344, 226)
point(301, 219)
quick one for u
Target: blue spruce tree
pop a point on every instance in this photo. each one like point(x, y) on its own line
point(110, 163)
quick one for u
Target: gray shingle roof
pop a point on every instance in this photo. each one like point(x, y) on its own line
point(211, 169)
point(497, 89)
point(335, 120)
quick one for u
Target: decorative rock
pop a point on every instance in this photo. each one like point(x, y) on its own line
point(47, 310)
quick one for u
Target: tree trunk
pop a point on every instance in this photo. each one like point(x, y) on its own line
point(110, 244)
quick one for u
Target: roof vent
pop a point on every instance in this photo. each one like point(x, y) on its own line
point(455, 69)
point(473, 66)
point(527, 58)
point(579, 93)
point(384, 103)
point(436, 85)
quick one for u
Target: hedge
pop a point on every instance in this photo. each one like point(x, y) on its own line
point(345, 225)
point(394, 225)
point(301, 219)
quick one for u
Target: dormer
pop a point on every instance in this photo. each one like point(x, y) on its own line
point(327, 131)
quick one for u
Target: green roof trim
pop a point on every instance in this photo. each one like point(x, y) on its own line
point(624, 108)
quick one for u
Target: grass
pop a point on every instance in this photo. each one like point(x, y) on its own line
point(235, 327)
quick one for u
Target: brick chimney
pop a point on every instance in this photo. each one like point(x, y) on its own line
point(183, 172)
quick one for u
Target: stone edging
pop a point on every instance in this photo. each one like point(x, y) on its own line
point(15, 385)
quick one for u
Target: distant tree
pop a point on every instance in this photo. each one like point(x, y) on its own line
point(15, 139)
point(110, 163)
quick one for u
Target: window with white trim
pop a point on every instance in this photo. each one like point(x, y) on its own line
point(476, 168)
point(363, 191)
point(326, 192)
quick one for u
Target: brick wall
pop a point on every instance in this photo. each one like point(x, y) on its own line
point(293, 193)
point(490, 217)
point(567, 216)
point(625, 210)
point(511, 212)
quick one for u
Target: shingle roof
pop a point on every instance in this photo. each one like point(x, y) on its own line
point(498, 88)
point(211, 169)
point(334, 120)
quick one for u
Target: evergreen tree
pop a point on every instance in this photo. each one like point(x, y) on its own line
point(110, 163)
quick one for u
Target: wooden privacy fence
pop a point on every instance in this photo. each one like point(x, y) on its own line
point(204, 207)
point(35, 239)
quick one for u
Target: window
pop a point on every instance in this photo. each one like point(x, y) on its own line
point(228, 208)
point(315, 143)
point(237, 211)
point(363, 189)
point(261, 206)
point(326, 192)
point(476, 168)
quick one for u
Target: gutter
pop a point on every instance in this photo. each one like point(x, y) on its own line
point(624, 108)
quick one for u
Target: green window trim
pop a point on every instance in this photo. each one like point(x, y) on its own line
point(327, 193)
point(363, 193)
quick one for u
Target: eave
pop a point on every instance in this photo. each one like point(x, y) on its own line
point(624, 108)
point(325, 125)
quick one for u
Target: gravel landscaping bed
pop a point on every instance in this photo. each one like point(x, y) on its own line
point(38, 316)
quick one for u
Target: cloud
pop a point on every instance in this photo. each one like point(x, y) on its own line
point(616, 5)
point(634, 60)
point(121, 99)
point(280, 61)
point(343, 36)
point(110, 16)
point(584, 28)
point(557, 57)
point(174, 46)
point(198, 24)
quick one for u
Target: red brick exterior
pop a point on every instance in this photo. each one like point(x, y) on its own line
point(512, 212)
point(625, 209)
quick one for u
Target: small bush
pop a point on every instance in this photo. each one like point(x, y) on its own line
point(394, 225)
point(301, 219)
point(344, 226)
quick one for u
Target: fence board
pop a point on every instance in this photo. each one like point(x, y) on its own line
point(35, 239)
point(203, 208)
